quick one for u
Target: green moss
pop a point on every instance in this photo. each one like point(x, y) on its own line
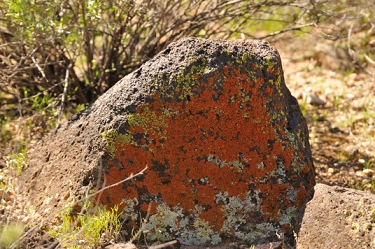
point(227, 52)
point(112, 136)
point(147, 119)
point(273, 65)
point(182, 83)
point(245, 57)
point(187, 80)
point(300, 139)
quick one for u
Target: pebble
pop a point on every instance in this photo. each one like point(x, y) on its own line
point(368, 172)
point(366, 181)
point(313, 99)
point(350, 96)
point(360, 173)
point(331, 170)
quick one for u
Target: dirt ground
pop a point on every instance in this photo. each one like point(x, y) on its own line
point(339, 107)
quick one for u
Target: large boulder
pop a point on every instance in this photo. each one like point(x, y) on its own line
point(224, 141)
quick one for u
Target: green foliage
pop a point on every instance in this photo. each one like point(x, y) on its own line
point(10, 233)
point(369, 163)
point(86, 228)
point(80, 108)
point(90, 44)
point(39, 103)
point(17, 160)
point(362, 187)
point(303, 107)
point(5, 133)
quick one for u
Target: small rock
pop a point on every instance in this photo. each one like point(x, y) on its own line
point(313, 99)
point(361, 160)
point(352, 78)
point(368, 172)
point(336, 209)
point(366, 181)
point(66, 196)
point(26, 219)
point(121, 246)
point(331, 170)
point(274, 245)
point(359, 173)
point(350, 96)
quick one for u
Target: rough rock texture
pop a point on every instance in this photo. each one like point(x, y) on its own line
point(338, 217)
point(225, 143)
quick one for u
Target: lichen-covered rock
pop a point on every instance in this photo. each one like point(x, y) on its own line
point(225, 143)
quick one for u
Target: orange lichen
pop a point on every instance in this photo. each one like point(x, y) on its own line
point(218, 140)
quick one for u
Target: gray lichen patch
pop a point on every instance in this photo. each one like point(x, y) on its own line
point(171, 223)
point(222, 163)
point(288, 216)
point(291, 194)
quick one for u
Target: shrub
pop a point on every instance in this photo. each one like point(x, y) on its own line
point(69, 52)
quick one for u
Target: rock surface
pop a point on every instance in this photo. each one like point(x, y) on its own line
point(338, 217)
point(225, 143)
